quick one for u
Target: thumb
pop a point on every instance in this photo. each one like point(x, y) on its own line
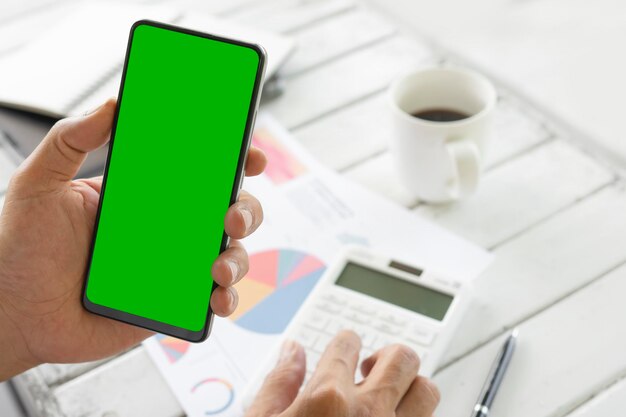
point(281, 386)
point(59, 156)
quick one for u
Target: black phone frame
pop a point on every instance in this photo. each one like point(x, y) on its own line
point(153, 325)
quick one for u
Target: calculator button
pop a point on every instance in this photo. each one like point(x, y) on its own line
point(381, 341)
point(367, 339)
point(317, 320)
point(357, 318)
point(333, 298)
point(329, 307)
point(363, 309)
point(384, 341)
point(306, 337)
point(334, 326)
point(423, 341)
point(387, 329)
point(321, 343)
point(422, 336)
point(394, 320)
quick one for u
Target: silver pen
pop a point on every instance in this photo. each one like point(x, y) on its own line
point(494, 379)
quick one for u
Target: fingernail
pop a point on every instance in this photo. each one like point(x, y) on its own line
point(434, 391)
point(247, 217)
point(234, 270)
point(234, 298)
point(288, 350)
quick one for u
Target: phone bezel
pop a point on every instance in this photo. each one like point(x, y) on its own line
point(160, 327)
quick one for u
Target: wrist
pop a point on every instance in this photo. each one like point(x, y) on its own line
point(14, 357)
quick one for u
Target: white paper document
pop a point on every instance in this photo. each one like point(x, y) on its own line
point(310, 213)
point(76, 64)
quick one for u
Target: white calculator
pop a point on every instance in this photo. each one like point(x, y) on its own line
point(384, 301)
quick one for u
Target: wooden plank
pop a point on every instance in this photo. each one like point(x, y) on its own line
point(217, 7)
point(128, 386)
point(289, 15)
point(565, 355)
point(16, 31)
point(543, 265)
point(56, 374)
point(9, 406)
point(363, 130)
point(510, 197)
point(516, 128)
point(330, 87)
point(380, 175)
point(36, 396)
point(316, 45)
point(609, 403)
point(354, 133)
point(335, 37)
point(16, 9)
point(518, 194)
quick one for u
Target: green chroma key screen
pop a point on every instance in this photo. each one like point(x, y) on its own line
point(183, 112)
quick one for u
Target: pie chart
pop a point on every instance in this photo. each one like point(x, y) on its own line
point(278, 282)
point(173, 348)
point(217, 391)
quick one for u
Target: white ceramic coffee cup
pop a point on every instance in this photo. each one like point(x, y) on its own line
point(441, 161)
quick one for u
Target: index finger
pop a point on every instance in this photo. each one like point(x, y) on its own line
point(339, 360)
point(390, 372)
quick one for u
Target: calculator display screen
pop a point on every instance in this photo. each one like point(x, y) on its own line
point(391, 289)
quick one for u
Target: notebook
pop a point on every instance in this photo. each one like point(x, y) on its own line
point(77, 64)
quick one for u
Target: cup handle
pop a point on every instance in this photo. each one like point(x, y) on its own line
point(465, 159)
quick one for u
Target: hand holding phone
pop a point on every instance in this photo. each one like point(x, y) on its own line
point(46, 225)
point(45, 229)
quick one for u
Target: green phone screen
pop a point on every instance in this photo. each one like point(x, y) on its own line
point(173, 163)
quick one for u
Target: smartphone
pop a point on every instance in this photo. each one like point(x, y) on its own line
point(180, 137)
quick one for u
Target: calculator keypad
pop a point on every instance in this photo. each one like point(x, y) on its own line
point(334, 312)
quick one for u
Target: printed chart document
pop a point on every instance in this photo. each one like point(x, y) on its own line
point(310, 213)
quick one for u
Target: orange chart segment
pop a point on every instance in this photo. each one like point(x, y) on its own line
point(251, 292)
point(174, 349)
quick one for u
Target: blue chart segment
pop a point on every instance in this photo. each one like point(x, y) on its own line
point(277, 284)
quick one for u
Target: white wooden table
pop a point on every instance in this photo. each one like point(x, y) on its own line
point(550, 208)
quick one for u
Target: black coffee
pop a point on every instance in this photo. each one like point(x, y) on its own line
point(440, 115)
